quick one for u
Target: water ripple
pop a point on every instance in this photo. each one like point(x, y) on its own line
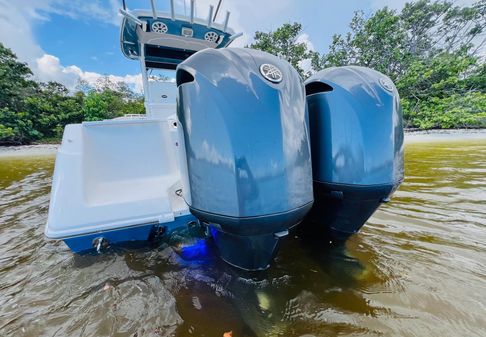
point(417, 268)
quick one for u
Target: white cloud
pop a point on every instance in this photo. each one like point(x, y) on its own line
point(93, 10)
point(16, 30)
point(49, 68)
point(18, 20)
point(304, 38)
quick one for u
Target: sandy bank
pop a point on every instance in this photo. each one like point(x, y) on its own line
point(28, 150)
point(410, 137)
point(444, 135)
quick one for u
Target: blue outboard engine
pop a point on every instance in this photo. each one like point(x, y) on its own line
point(357, 146)
point(245, 123)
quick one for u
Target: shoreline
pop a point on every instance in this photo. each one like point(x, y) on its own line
point(443, 135)
point(29, 150)
point(411, 136)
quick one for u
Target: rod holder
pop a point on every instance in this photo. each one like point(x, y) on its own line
point(172, 10)
point(154, 9)
point(192, 10)
point(226, 20)
point(210, 17)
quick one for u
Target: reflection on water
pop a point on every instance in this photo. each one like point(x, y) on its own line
point(418, 268)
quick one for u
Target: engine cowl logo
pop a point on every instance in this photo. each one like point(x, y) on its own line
point(271, 73)
point(387, 84)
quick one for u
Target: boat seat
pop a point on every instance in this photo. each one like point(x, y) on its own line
point(118, 173)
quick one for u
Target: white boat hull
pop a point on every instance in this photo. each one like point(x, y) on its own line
point(117, 175)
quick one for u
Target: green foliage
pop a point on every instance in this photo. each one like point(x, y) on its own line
point(430, 49)
point(51, 108)
point(15, 80)
point(284, 43)
point(389, 41)
point(16, 127)
point(377, 42)
point(97, 106)
point(31, 111)
point(440, 76)
point(455, 111)
point(134, 107)
point(111, 100)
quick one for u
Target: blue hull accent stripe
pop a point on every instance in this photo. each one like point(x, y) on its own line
point(84, 243)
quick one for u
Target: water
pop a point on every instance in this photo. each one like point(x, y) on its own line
point(418, 268)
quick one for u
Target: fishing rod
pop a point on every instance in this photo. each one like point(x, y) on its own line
point(217, 10)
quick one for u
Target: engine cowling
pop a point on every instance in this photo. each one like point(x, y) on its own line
point(245, 123)
point(357, 145)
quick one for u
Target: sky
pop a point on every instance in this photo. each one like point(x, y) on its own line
point(69, 40)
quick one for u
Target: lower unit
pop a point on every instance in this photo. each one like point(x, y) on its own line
point(250, 243)
point(342, 209)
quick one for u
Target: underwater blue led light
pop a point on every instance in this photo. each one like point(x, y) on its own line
point(196, 251)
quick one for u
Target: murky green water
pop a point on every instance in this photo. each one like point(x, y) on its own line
point(417, 269)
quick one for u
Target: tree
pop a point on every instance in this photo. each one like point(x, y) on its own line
point(435, 93)
point(16, 128)
point(31, 111)
point(15, 82)
point(376, 42)
point(97, 106)
point(109, 99)
point(431, 49)
point(52, 107)
point(284, 43)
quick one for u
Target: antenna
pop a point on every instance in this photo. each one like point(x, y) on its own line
point(154, 10)
point(217, 10)
point(124, 5)
point(210, 17)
